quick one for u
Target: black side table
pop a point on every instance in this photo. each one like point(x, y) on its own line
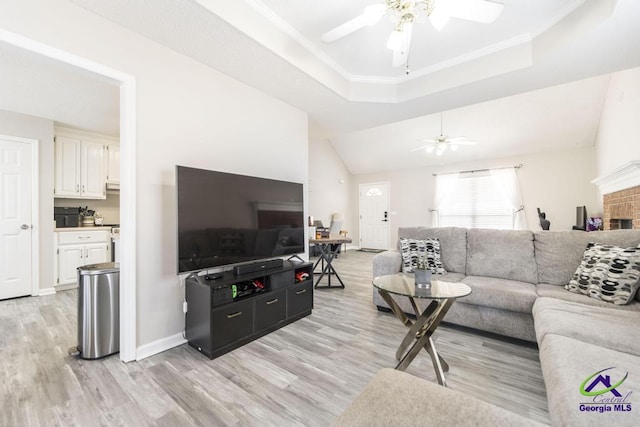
point(327, 255)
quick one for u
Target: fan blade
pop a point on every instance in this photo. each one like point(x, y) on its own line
point(370, 16)
point(461, 140)
point(423, 147)
point(345, 29)
point(401, 56)
point(482, 11)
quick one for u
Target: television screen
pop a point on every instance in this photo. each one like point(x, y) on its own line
point(224, 218)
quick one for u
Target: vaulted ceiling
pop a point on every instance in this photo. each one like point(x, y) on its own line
point(373, 113)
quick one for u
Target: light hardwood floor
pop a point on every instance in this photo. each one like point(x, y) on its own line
point(304, 374)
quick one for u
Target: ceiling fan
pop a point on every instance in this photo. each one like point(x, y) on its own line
point(440, 143)
point(403, 13)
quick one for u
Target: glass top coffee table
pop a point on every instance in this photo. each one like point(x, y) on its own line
point(442, 295)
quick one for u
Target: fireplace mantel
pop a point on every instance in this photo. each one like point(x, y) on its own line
point(624, 177)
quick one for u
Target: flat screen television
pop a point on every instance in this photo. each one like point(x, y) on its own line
point(226, 219)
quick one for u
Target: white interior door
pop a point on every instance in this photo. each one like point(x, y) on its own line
point(15, 217)
point(374, 216)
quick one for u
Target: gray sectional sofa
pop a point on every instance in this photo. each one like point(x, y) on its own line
point(517, 280)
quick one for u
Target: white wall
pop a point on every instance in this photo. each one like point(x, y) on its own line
point(329, 186)
point(618, 142)
point(556, 182)
point(21, 125)
point(187, 114)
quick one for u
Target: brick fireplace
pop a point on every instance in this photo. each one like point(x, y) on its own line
point(621, 209)
point(621, 197)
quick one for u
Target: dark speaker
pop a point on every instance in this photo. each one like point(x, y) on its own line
point(239, 270)
point(581, 218)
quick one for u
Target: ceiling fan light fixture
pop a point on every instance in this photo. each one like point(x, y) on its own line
point(440, 150)
point(429, 149)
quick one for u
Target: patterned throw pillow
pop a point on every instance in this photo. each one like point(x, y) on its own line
point(608, 273)
point(412, 249)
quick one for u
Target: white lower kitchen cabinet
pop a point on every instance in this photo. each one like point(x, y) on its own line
point(77, 248)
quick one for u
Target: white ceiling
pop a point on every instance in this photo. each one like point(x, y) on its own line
point(556, 118)
point(348, 87)
point(363, 53)
point(42, 87)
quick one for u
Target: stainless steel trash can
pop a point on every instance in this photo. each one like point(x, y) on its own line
point(98, 310)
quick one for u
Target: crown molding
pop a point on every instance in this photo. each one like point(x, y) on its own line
point(626, 176)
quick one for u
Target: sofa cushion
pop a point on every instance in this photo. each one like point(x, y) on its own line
point(614, 329)
point(567, 363)
point(608, 273)
point(453, 244)
point(512, 324)
point(559, 292)
point(558, 253)
point(505, 254)
point(505, 294)
point(413, 249)
point(397, 398)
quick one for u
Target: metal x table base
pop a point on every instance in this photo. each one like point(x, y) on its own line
point(420, 333)
point(327, 255)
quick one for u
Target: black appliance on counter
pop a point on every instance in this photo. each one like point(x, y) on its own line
point(66, 217)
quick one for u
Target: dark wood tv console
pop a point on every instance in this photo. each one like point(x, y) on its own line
point(217, 322)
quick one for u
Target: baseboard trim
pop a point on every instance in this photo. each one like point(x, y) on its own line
point(159, 346)
point(66, 287)
point(45, 291)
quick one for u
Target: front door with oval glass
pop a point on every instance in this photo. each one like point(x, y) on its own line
point(374, 216)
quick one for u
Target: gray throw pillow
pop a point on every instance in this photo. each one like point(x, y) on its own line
point(608, 273)
point(412, 249)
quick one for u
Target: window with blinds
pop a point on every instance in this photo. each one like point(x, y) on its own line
point(476, 201)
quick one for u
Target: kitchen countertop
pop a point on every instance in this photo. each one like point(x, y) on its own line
point(85, 228)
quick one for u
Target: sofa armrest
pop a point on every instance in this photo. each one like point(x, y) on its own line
point(397, 398)
point(387, 262)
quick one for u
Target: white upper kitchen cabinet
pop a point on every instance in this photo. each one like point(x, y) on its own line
point(92, 171)
point(67, 167)
point(113, 166)
point(80, 164)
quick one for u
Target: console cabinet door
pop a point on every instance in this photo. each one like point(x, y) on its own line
point(300, 298)
point(270, 309)
point(232, 322)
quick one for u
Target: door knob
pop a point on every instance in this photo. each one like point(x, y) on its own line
point(24, 226)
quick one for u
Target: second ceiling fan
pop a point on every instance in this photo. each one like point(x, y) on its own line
point(403, 13)
point(440, 143)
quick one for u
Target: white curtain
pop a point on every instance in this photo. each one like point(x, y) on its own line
point(507, 181)
point(444, 186)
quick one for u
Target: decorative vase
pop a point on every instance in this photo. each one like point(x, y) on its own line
point(422, 278)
